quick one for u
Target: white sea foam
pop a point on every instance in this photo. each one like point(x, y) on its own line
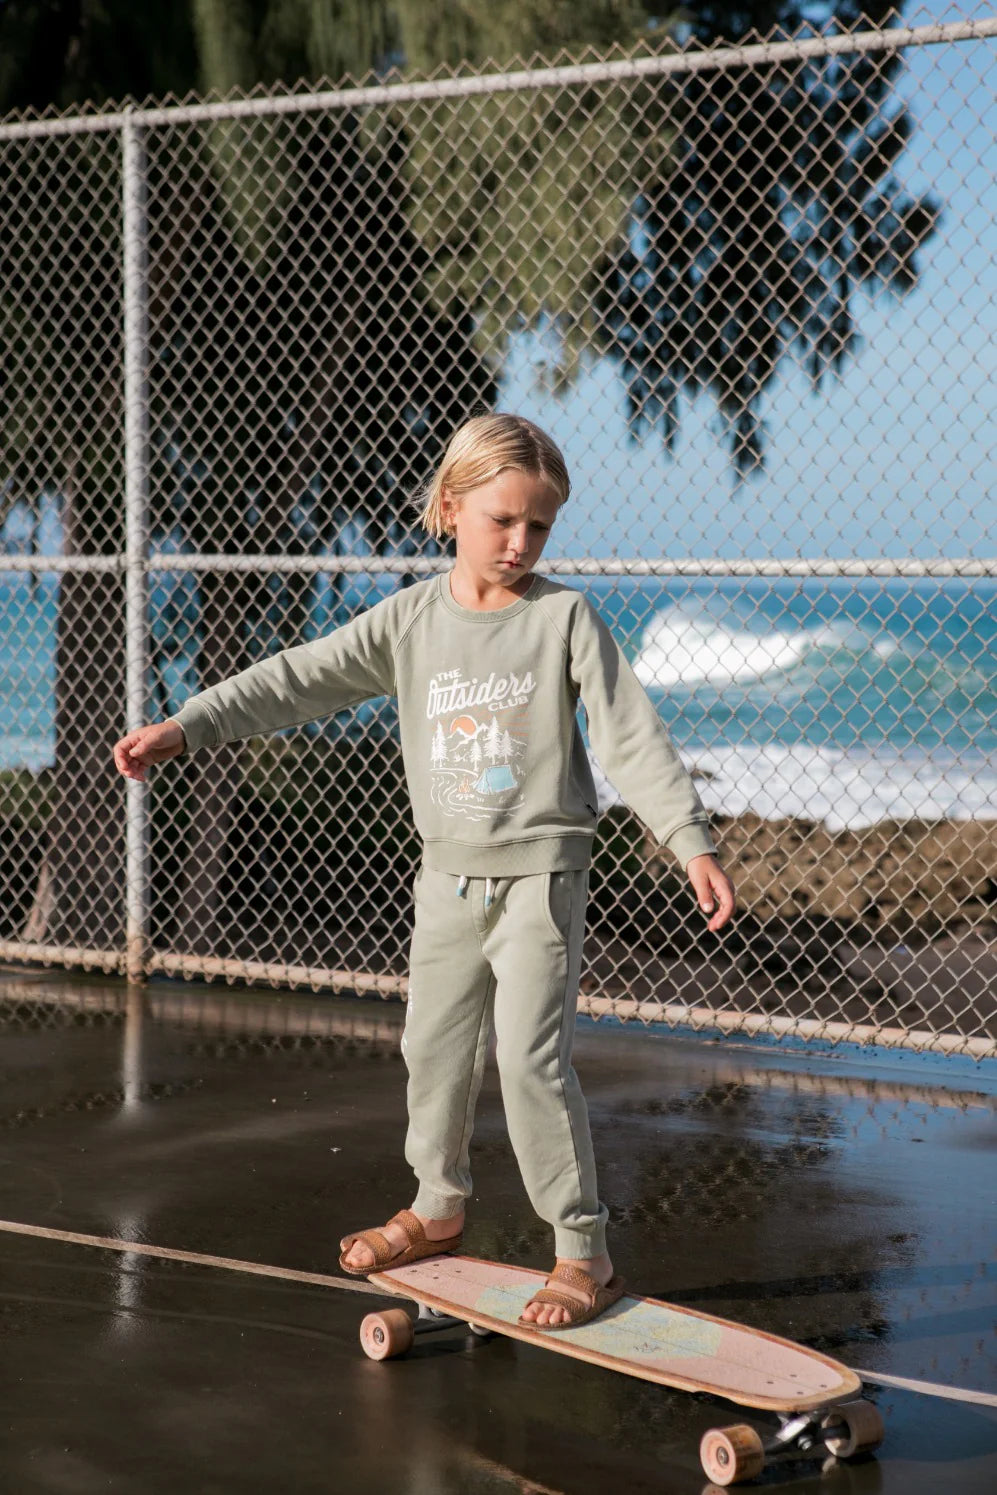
point(837, 789)
point(698, 643)
point(689, 648)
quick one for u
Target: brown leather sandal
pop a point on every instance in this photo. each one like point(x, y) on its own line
point(600, 1298)
point(387, 1255)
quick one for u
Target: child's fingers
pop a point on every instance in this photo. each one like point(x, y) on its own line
point(120, 754)
point(714, 890)
point(128, 767)
point(724, 889)
point(699, 873)
point(132, 755)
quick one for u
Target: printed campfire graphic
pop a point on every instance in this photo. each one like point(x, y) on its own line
point(477, 760)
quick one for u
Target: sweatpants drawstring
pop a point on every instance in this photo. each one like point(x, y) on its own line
point(489, 889)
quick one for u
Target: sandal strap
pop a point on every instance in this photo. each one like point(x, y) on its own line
point(380, 1245)
point(411, 1225)
point(384, 1252)
point(559, 1300)
point(576, 1277)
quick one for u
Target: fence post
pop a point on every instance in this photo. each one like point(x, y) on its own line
point(136, 412)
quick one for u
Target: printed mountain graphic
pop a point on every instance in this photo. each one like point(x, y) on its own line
point(487, 749)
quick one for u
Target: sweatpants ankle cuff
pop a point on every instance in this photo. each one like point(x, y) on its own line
point(574, 1246)
point(437, 1206)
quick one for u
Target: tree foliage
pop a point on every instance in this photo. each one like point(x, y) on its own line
point(517, 196)
point(701, 231)
point(454, 32)
point(247, 43)
point(751, 248)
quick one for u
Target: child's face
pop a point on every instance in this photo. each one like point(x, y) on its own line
point(501, 526)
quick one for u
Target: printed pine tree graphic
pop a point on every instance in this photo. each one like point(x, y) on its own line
point(476, 755)
point(493, 741)
point(439, 746)
point(507, 746)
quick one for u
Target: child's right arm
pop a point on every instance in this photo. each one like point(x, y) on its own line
point(301, 684)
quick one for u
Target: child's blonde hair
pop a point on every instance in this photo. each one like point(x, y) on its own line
point(479, 450)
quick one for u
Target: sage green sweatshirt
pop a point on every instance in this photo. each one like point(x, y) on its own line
point(496, 767)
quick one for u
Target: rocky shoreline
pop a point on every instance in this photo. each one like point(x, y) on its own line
point(893, 925)
point(931, 878)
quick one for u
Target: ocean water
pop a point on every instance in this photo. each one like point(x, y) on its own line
point(842, 702)
point(837, 701)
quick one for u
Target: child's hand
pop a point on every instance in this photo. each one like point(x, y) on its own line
point(135, 753)
point(713, 889)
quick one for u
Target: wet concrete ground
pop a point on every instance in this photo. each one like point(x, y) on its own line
point(846, 1203)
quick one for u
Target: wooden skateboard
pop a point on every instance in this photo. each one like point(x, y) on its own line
point(816, 1401)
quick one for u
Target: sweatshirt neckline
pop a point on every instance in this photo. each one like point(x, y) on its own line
point(491, 615)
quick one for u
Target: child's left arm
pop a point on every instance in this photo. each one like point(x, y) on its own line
point(638, 756)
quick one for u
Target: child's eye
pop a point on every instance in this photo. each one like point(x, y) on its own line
point(502, 521)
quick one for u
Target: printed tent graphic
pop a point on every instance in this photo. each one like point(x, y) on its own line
point(494, 779)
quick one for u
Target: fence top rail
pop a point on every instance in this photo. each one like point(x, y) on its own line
point(940, 567)
point(576, 75)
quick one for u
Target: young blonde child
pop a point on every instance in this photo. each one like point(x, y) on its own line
point(488, 662)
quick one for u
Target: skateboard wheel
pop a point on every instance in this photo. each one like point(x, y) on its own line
point(729, 1455)
point(387, 1334)
point(852, 1428)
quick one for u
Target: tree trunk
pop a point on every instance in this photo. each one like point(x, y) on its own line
point(213, 781)
point(80, 897)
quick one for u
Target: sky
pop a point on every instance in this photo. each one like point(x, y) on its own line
point(897, 459)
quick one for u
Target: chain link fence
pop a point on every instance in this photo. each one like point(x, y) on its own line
point(750, 292)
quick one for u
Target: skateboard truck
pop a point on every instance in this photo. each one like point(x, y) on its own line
point(732, 1454)
point(434, 1320)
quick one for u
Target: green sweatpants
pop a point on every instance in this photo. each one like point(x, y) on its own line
point(512, 962)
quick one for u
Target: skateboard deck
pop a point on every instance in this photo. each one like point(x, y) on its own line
point(637, 1336)
point(814, 1398)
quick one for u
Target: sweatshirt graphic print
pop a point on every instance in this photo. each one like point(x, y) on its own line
point(495, 762)
point(477, 761)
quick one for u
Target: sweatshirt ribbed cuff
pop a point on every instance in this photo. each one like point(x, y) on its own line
point(197, 725)
point(691, 841)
